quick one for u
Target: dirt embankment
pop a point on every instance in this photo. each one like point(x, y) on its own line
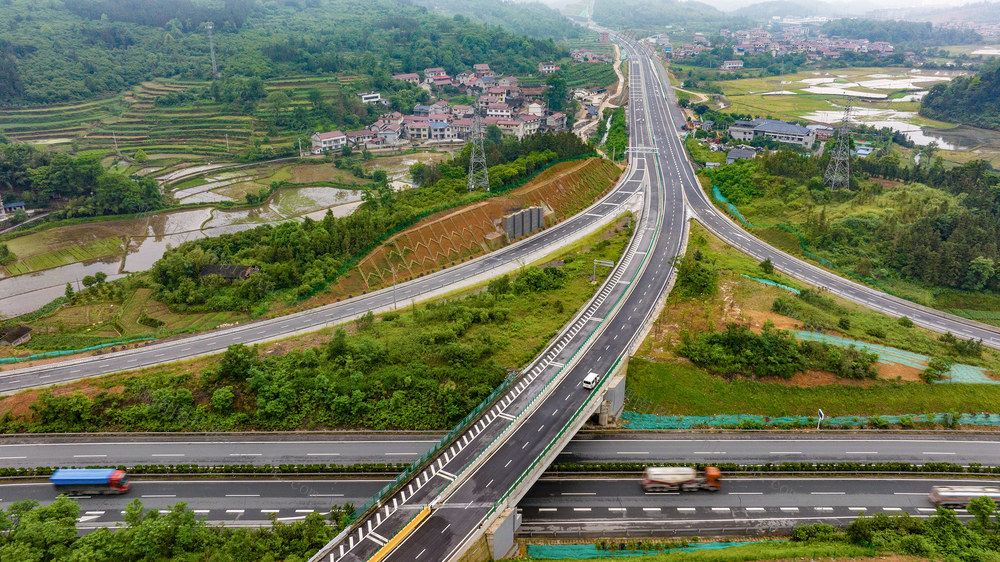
point(456, 235)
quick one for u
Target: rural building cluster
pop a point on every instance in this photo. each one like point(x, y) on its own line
point(515, 110)
point(789, 39)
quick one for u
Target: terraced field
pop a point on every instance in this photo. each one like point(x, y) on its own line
point(132, 120)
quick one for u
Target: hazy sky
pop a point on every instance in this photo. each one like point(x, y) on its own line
point(855, 6)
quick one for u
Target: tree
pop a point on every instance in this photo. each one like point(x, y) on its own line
point(766, 266)
point(20, 216)
point(981, 509)
point(89, 281)
point(238, 361)
point(558, 91)
point(70, 293)
point(140, 156)
point(346, 151)
point(101, 277)
point(493, 135)
point(6, 256)
point(278, 100)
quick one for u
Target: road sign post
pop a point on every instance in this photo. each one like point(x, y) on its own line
point(820, 419)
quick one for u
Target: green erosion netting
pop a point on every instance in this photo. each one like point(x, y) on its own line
point(48, 354)
point(773, 284)
point(590, 551)
point(732, 208)
point(633, 420)
point(958, 373)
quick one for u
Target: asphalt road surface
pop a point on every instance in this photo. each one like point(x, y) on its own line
point(587, 447)
point(552, 506)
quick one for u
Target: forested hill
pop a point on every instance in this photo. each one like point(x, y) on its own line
point(972, 100)
point(79, 49)
point(646, 14)
point(908, 33)
point(533, 19)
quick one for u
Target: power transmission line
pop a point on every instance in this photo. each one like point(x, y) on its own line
point(479, 177)
point(838, 171)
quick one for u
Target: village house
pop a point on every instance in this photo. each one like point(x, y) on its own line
point(732, 65)
point(547, 67)
point(358, 139)
point(326, 142)
point(15, 335)
point(440, 131)
point(431, 73)
point(498, 110)
point(556, 121)
point(483, 69)
point(370, 97)
point(460, 111)
point(411, 77)
point(780, 131)
point(530, 124)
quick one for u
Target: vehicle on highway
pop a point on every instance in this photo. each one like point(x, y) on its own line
point(960, 496)
point(90, 481)
point(680, 478)
point(590, 381)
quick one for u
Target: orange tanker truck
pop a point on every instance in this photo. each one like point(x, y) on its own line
point(680, 478)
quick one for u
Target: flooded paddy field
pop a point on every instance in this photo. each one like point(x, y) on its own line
point(398, 167)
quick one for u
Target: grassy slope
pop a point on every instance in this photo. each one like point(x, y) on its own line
point(668, 385)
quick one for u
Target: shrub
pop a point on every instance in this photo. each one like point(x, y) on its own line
point(905, 322)
point(936, 370)
point(844, 323)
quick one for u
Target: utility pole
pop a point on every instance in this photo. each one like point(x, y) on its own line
point(300, 147)
point(838, 171)
point(227, 143)
point(115, 138)
point(209, 26)
point(479, 177)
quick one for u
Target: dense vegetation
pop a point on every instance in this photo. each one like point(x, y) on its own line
point(617, 140)
point(770, 65)
point(34, 532)
point(304, 257)
point(942, 236)
point(424, 367)
point(532, 19)
point(900, 33)
point(81, 185)
point(56, 52)
point(973, 100)
point(737, 350)
point(942, 537)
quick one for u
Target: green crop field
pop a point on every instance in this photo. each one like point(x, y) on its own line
point(66, 256)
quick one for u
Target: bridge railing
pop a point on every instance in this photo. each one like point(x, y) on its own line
point(584, 407)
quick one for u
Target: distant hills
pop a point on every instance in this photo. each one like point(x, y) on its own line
point(766, 10)
point(644, 14)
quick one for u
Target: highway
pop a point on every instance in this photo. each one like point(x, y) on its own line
point(278, 449)
point(596, 342)
point(483, 268)
point(592, 506)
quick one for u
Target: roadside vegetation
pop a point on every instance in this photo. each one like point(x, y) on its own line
point(722, 346)
point(421, 367)
point(941, 537)
point(923, 233)
point(35, 532)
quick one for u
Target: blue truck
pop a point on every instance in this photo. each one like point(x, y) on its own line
point(90, 481)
